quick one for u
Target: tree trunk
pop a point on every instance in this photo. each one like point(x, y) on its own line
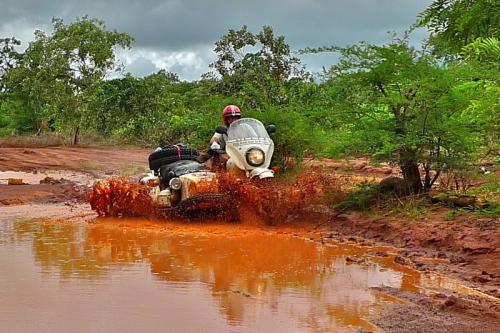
point(428, 180)
point(411, 173)
point(76, 136)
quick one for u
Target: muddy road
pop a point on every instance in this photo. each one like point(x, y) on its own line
point(64, 269)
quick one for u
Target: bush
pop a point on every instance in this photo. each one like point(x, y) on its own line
point(361, 198)
point(42, 140)
point(295, 134)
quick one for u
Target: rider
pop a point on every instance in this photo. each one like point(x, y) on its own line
point(230, 114)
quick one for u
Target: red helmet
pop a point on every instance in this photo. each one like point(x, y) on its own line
point(230, 111)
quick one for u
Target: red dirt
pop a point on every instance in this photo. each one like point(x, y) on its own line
point(90, 159)
point(467, 249)
point(41, 193)
point(95, 161)
point(359, 166)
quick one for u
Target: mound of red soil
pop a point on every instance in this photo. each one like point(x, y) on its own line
point(102, 159)
point(41, 193)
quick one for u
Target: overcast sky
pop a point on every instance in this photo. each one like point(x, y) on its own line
point(179, 35)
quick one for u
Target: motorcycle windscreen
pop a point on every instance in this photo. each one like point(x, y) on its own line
point(246, 128)
point(245, 134)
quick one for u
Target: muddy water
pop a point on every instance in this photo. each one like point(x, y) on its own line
point(133, 276)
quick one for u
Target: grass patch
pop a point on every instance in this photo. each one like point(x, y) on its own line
point(362, 198)
point(25, 141)
point(367, 197)
point(133, 169)
point(414, 206)
point(490, 212)
point(489, 191)
point(87, 165)
point(454, 214)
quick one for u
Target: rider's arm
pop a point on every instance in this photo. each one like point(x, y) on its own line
point(218, 142)
point(216, 138)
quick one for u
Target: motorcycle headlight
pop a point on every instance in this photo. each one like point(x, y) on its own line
point(255, 157)
point(175, 183)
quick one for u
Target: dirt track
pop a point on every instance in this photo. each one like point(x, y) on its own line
point(466, 249)
point(89, 159)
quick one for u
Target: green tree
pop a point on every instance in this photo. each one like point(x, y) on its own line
point(58, 73)
point(483, 56)
point(455, 23)
point(9, 57)
point(155, 110)
point(256, 67)
point(402, 106)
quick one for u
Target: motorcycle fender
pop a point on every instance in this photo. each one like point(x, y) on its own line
point(262, 173)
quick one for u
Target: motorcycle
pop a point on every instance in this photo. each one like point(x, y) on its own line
point(179, 182)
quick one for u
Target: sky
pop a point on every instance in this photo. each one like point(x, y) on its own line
point(179, 35)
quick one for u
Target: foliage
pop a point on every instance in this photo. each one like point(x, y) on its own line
point(255, 67)
point(369, 196)
point(490, 212)
point(393, 102)
point(483, 55)
point(9, 57)
point(55, 77)
point(454, 24)
point(483, 51)
point(404, 107)
point(489, 190)
point(361, 198)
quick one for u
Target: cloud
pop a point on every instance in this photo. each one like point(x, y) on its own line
point(188, 64)
point(179, 34)
point(21, 28)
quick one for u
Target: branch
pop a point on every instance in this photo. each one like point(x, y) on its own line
point(381, 88)
point(425, 118)
point(435, 178)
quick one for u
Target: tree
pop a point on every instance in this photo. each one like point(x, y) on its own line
point(257, 66)
point(456, 23)
point(483, 55)
point(57, 73)
point(402, 106)
point(9, 57)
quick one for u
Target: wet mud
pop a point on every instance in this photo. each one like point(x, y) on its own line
point(95, 160)
point(436, 276)
point(273, 201)
point(464, 250)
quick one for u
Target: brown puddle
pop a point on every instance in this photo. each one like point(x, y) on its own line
point(131, 275)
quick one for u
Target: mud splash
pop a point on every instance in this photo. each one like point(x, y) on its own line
point(121, 197)
point(277, 199)
point(140, 276)
point(272, 199)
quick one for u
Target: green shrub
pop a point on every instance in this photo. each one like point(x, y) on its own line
point(361, 198)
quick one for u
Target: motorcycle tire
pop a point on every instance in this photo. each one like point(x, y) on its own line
point(171, 154)
point(214, 205)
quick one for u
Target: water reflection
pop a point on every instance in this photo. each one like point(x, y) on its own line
point(258, 281)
